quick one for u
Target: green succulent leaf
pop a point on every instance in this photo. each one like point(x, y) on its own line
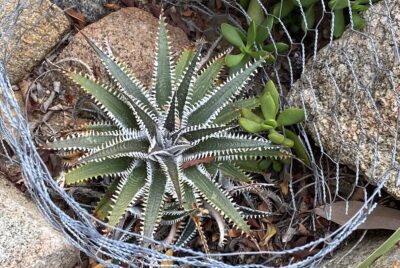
point(256, 12)
point(251, 34)
point(232, 34)
point(163, 80)
point(298, 146)
point(216, 197)
point(104, 206)
point(264, 29)
point(276, 137)
point(248, 114)
point(188, 232)
point(87, 141)
point(95, 169)
point(268, 107)
point(183, 62)
point(290, 116)
point(358, 21)
point(209, 109)
point(117, 109)
point(232, 110)
point(130, 148)
point(184, 85)
point(283, 8)
point(127, 190)
point(252, 126)
point(271, 89)
point(233, 60)
point(234, 172)
point(338, 23)
point(338, 4)
point(309, 18)
point(277, 47)
point(153, 206)
point(205, 81)
point(124, 78)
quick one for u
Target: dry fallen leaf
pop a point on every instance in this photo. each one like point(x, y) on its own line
point(78, 17)
point(169, 253)
point(271, 231)
point(285, 187)
point(380, 218)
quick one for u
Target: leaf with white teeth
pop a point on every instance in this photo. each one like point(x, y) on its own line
point(95, 169)
point(207, 109)
point(163, 77)
point(154, 199)
point(183, 62)
point(131, 148)
point(216, 197)
point(85, 141)
point(205, 81)
point(118, 109)
point(104, 206)
point(127, 190)
point(232, 110)
point(234, 172)
point(131, 86)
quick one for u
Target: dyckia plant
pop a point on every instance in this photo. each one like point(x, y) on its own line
point(165, 147)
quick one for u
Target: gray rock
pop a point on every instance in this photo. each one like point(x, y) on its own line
point(92, 10)
point(351, 254)
point(351, 95)
point(29, 30)
point(26, 239)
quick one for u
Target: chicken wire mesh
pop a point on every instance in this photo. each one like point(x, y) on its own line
point(81, 228)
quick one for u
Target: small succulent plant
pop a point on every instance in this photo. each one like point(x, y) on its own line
point(252, 43)
point(266, 118)
point(165, 147)
point(356, 7)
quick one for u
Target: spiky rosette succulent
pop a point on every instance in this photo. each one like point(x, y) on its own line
point(165, 146)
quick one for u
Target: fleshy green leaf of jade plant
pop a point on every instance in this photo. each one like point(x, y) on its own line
point(166, 146)
point(267, 118)
point(251, 44)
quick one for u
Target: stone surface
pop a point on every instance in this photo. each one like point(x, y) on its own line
point(92, 10)
point(26, 239)
point(351, 95)
point(29, 36)
point(349, 257)
point(131, 34)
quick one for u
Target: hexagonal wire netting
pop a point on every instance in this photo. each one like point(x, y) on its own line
point(81, 228)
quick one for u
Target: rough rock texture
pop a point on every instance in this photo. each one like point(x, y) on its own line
point(131, 34)
point(92, 10)
point(359, 253)
point(28, 36)
point(351, 95)
point(26, 239)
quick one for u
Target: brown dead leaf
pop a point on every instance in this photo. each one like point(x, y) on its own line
point(232, 233)
point(24, 86)
point(187, 13)
point(271, 231)
point(169, 253)
point(285, 187)
point(77, 17)
point(112, 6)
point(380, 218)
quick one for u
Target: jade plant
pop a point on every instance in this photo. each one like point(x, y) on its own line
point(251, 44)
point(288, 11)
point(267, 118)
point(166, 146)
point(356, 7)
